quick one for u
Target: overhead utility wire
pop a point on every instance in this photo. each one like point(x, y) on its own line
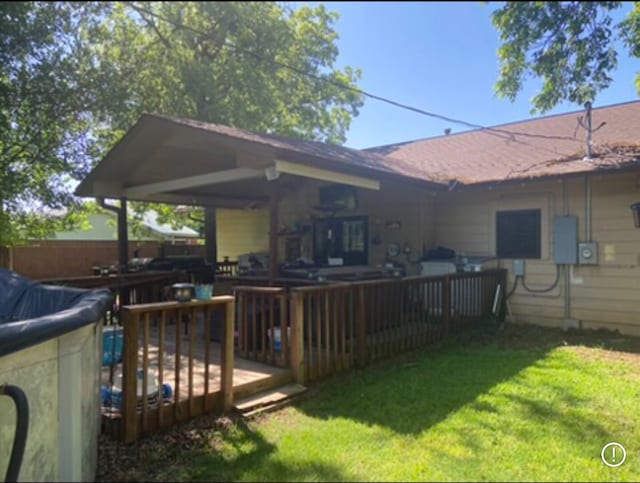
point(505, 134)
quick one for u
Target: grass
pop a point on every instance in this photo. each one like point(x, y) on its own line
point(525, 408)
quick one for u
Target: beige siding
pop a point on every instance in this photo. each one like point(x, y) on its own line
point(241, 231)
point(605, 295)
point(408, 204)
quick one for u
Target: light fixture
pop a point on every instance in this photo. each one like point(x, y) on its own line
point(271, 173)
point(635, 208)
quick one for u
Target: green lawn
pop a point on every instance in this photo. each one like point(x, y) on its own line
point(525, 410)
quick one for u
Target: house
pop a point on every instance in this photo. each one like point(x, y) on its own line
point(73, 253)
point(524, 194)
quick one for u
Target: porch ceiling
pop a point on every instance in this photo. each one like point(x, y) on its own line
point(185, 162)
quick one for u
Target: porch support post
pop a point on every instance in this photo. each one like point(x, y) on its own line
point(123, 242)
point(123, 236)
point(123, 248)
point(273, 233)
point(210, 237)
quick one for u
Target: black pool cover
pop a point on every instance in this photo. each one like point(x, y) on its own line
point(31, 312)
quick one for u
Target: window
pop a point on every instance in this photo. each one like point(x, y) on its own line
point(344, 238)
point(339, 196)
point(518, 234)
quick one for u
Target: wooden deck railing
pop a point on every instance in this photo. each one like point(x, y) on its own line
point(314, 330)
point(325, 329)
point(155, 347)
point(335, 326)
point(138, 288)
point(262, 323)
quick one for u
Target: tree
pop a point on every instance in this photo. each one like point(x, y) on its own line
point(223, 62)
point(566, 44)
point(41, 126)
point(75, 76)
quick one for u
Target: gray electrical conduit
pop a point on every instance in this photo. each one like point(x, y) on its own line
point(22, 427)
point(535, 290)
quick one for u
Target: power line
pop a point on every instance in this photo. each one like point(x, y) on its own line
point(502, 133)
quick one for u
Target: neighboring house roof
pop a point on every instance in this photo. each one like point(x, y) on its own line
point(542, 147)
point(103, 227)
point(150, 220)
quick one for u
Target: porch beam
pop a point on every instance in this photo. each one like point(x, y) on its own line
point(200, 200)
point(217, 177)
point(325, 175)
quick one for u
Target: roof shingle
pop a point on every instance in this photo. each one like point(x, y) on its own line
point(546, 146)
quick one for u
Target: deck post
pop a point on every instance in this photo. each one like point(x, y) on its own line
point(446, 303)
point(226, 356)
point(129, 397)
point(296, 311)
point(502, 311)
point(361, 325)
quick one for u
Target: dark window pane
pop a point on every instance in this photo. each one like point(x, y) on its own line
point(518, 234)
point(344, 238)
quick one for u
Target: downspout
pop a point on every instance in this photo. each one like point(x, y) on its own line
point(566, 267)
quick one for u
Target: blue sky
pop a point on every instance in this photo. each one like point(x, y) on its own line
point(440, 57)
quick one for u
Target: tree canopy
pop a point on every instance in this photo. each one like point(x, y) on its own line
point(75, 76)
point(42, 98)
point(568, 45)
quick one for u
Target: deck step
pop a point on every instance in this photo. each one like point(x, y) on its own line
point(269, 399)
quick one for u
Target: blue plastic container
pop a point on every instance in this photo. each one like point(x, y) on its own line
point(204, 292)
point(112, 345)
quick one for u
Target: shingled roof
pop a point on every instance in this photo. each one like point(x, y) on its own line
point(543, 147)
point(285, 146)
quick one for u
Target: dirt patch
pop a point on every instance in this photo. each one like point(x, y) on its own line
point(156, 457)
point(514, 336)
point(593, 354)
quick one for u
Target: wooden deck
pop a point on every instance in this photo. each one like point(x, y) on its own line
point(211, 353)
point(248, 375)
point(173, 371)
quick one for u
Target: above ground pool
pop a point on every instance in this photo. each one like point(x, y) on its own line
point(51, 351)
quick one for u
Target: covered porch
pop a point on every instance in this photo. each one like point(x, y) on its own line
point(313, 205)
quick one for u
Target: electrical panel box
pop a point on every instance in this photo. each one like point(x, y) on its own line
point(518, 268)
point(588, 253)
point(565, 239)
